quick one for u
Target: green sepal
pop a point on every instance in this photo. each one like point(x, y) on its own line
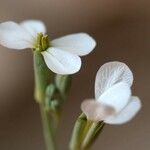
point(41, 76)
point(91, 134)
point(78, 130)
point(85, 133)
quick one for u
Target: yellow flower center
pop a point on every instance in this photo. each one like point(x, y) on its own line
point(42, 42)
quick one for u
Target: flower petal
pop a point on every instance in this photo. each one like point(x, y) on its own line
point(127, 113)
point(95, 111)
point(15, 37)
point(62, 62)
point(80, 43)
point(33, 27)
point(111, 73)
point(117, 96)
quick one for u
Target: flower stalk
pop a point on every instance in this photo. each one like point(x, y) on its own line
point(41, 82)
point(47, 129)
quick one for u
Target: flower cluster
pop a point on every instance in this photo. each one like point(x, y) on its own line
point(113, 103)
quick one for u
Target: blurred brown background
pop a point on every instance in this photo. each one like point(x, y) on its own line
point(122, 31)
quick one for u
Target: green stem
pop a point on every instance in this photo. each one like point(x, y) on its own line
point(41, 82)
point(47, 129)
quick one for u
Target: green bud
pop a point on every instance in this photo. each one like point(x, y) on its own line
point(54, 105)
point(63, 83)
point(50, 91)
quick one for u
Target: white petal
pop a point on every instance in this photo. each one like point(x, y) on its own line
point(14, 36)
point(127, 113)
point(95, 111)
point(111, 73)
point(62, 62)
point(79, 43)
point(117, 96)
point(34, 27)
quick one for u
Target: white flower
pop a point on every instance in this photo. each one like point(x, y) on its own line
point(61, 57)
point(114, 103)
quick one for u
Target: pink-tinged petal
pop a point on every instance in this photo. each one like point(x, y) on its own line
point(96, 111)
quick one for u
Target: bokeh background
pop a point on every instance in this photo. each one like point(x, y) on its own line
point(122, 31)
